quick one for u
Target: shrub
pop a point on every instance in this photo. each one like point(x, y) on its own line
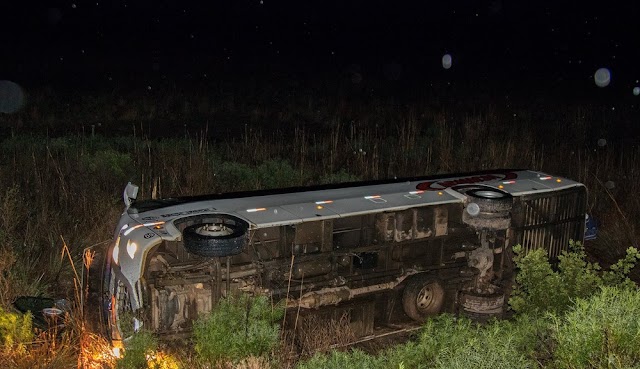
point(537, 285)
point(601, 331)
point(541, 289)
point(15, 331)
point(355, 359)
point(409, 355)
point(138, 349)
point(449, 342)
point(238, 327)
point(278, 174)
point(108, 165)
point(340, 176)
point(618, 273)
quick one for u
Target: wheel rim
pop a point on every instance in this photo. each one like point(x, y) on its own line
point(489, 194)
point(425, 297)
point(214, 230)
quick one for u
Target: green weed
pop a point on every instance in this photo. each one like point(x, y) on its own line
point(541, 289)
point(237, 328)
point(602, 331)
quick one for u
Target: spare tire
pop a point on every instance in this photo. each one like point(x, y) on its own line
point(491, 200)
point(226, 237)
point(487, 208)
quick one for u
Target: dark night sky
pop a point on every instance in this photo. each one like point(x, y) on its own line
point(93, 43)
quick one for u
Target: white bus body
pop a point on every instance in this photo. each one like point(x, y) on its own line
point(375, 250)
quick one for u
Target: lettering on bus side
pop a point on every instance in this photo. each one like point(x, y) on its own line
point(441, 185)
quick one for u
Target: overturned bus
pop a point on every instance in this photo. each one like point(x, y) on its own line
point(377, 251)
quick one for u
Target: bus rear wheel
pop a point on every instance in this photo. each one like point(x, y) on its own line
point(423, 296)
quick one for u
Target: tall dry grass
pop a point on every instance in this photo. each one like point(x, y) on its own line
point(62, 170)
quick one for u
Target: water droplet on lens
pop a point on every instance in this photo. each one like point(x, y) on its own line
point(11, 97)
point(602, 142)
point(446, 61)
point(610, 185)
point(602, 77)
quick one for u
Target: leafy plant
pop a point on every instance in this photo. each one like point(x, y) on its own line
point(602, 331)
point(238, 327)
point(109, 164)
point(538, 286)
point(449, 342)
point(618, 273)
point(356, 359)
point(340, 176)
point(139, 349)
point(541, 289)
point(15, 331)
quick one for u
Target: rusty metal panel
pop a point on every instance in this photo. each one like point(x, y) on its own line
point(385, 227)
point(347, 232)
point(310, 232)
point(423, 222)
point(441, 218)
point(403, 226)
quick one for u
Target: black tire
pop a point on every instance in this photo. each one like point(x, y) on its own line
point(423, 296)
point(206, 243)
point(487, 208)
point(482, 307)
point(491, 200)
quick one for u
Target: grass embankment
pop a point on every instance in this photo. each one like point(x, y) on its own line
point(67, 189)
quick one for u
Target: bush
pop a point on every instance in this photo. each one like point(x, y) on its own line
point(340, 176)
point(449, 342)
point(278, 174)
point(108, 165)
point(138, 348)
point(15, 331)
point(237, 328)
point(541, 289)
point(355, 359)
point(601, 331)
point(275, 173)
point(409, 355)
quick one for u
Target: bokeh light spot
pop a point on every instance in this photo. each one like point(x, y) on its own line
point(446, 61)
point(11, 97)
point(602, 77)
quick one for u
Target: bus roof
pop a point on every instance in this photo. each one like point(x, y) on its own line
point(301, 204)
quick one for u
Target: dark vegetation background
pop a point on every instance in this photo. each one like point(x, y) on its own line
point(64, 179)
point(62, 186)
point(188, 98)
